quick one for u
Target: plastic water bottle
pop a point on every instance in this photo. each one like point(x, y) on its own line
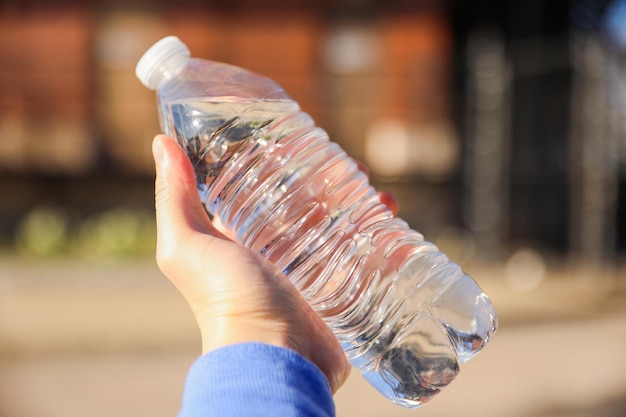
point(405, 315)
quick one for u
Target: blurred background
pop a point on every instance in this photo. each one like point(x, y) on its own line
point(500, 126)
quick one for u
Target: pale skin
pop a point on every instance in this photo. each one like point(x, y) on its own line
point(236, 296)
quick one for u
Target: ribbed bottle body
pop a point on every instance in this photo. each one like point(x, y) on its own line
point(405, 315)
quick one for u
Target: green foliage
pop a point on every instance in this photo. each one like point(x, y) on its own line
point(43, 232)
point(119, 232)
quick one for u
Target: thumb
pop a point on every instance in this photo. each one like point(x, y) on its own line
point(178, 208)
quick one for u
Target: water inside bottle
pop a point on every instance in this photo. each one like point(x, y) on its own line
point(404, 313)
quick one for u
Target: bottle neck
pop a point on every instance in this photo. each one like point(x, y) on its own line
point(168, 69)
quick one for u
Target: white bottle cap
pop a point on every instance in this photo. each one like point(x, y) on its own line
point(161, 61)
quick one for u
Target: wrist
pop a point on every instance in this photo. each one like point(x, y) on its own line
point(218, 334)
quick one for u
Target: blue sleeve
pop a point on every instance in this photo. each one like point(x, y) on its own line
point(256, 380)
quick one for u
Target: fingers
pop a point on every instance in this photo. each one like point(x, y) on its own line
point(390, 201)
point(363, 168)
point(178, 208)
point(386, 198)
point(180, 217)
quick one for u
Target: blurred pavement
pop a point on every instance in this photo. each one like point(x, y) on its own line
point(115, 339)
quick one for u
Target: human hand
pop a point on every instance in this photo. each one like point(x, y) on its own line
point(235, 294)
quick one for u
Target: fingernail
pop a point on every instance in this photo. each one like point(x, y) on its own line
point(157, 151)
point(390, 201)
point(362, 167)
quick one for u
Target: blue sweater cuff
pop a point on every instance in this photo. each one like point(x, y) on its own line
point(256, 380)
